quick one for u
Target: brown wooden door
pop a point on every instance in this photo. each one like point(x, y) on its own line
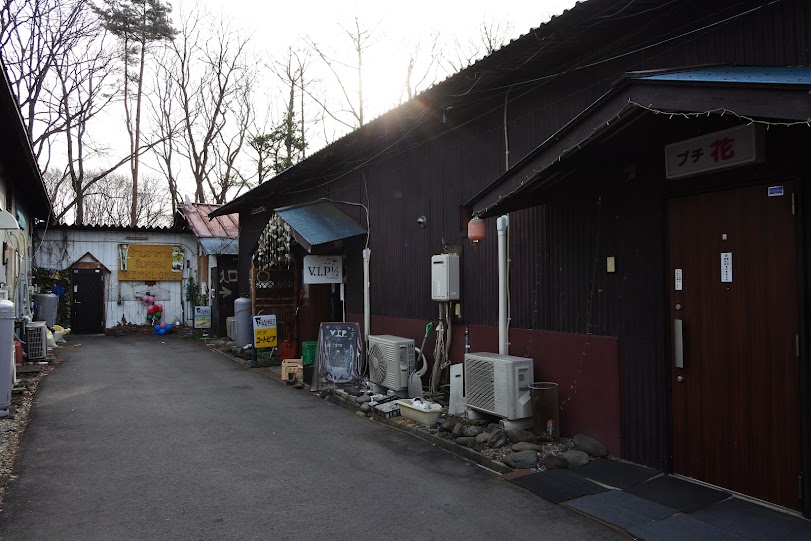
point(736, 404)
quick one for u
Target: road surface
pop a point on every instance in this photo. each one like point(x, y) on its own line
point(160, 438)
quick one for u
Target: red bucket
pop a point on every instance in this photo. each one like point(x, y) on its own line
point(287, 349)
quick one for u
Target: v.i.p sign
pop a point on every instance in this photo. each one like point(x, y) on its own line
point(323, 269)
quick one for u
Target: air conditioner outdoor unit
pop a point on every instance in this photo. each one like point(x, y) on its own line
point(391, 361)
point(499, 384)
point(229, 327)
point(36, 336)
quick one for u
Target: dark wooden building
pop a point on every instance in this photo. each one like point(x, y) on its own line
point(652, 158)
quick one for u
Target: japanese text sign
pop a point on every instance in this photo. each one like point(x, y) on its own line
point(319, 269)
point(719, 150)
point(150, 262)
point(264, 332)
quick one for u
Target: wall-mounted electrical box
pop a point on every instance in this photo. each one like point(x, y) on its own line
point(445, 277)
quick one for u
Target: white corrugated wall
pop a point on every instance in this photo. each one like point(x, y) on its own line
point(61, 248)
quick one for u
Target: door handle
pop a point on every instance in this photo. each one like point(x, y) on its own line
point(678, 343)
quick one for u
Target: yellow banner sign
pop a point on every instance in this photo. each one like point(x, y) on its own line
point(150, 262)
point(264, 332)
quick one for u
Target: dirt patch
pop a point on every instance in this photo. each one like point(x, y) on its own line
point(12, 429)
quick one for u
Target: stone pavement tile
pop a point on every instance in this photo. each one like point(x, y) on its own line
point(621, 509)
point(754, 521)
point(682, 528)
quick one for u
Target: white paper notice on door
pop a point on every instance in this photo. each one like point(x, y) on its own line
point(726, 267)
point(679, 283)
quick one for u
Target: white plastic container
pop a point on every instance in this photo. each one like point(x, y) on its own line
point(425, 417)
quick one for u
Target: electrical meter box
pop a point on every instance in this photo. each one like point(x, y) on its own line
point(445, 277)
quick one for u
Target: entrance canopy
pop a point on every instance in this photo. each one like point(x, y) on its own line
point(319, 223)
point(776, 93)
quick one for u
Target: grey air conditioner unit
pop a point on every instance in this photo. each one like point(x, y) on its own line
point(391, 361)
point(499, 384)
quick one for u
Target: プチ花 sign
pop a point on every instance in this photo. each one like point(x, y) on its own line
point(264, 332)
point(202, 317)
point(323, 269)
point(742, 145)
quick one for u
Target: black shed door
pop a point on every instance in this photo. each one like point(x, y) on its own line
point(88, 300)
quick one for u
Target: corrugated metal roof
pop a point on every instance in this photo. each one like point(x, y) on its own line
point(218, 246)
point(320, 222)
point(221, 227)
point(177, 228)
point(740, 75)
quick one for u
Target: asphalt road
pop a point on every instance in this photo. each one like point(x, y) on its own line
point(151, 438)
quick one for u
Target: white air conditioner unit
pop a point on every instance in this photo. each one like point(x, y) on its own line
point(499, 384)
point(36, 336)
point(391, 361)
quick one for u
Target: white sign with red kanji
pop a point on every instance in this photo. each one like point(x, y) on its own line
point(728, 148)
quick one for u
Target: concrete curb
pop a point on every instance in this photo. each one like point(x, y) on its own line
point(348, 402)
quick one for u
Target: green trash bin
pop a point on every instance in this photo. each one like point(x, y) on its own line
point(308, 352)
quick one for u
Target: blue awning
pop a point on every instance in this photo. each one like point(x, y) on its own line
point(218, 246)
point(319, 223)
point(739, 75)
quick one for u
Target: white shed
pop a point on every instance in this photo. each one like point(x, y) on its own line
point(109, 269)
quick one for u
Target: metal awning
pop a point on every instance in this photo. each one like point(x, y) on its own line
point(748, 92)
point(319, 223)
point(219, 246)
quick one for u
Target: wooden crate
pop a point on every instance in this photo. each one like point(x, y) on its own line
point(292, 365)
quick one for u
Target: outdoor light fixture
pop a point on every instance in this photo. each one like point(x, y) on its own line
point(7, 220)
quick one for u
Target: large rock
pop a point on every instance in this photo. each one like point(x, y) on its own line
point(472, 430)
point(590, 446)
point(555, 462)
point(457, 430)
point(516, 435)
point(365, 407)
point(448, 425)
point(498, 439)
point(466, 441)
point(484, 437)
point(522, 460)
point(362, 399)
point(524, 446)
point(575, 458)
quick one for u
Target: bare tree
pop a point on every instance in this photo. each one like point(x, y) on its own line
point(86, 87)
point(353, 104)
point(421, 70)
point(492, 36)
point(111, 202)
point(108, 200)
point(284, 143)
point(166, 124)
point(36, 38)
point(212, 74)
point(140, 24)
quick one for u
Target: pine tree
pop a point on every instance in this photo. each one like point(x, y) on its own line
point(139, 24)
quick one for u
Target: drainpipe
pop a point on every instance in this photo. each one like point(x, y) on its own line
point(367, 254)
point(503, 343)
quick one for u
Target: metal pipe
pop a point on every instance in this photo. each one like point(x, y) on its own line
point(367, 254)
point(503, 344)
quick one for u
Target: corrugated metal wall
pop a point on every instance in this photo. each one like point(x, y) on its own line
point(558, 249)
point(62, 248)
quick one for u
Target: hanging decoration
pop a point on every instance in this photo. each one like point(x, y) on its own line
point(275, 247)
